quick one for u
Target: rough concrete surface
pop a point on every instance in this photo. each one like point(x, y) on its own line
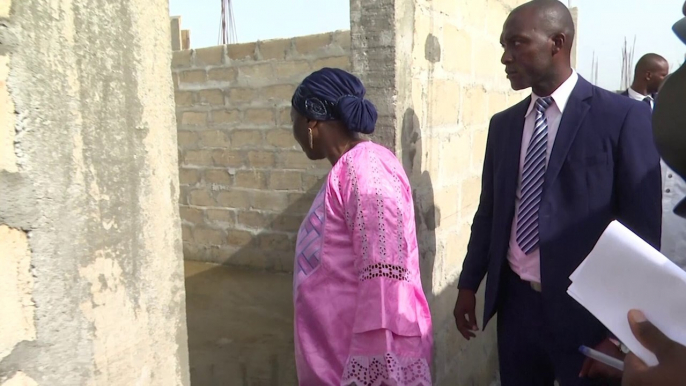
point(94, 193)
point(240, 326)
point(16, 284)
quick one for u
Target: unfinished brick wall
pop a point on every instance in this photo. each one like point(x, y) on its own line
point(433, 69)
point(245, 183)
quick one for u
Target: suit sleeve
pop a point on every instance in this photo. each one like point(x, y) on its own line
point(638, 178)
point(476, 262)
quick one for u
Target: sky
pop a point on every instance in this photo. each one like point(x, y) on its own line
point(603, 26)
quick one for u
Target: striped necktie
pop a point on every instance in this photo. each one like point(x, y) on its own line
point(532, 180)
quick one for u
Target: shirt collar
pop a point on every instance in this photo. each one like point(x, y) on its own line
point(560, 96)
point(633, 94)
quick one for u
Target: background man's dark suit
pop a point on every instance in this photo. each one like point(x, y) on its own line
point(603, 166)
point(626, 93)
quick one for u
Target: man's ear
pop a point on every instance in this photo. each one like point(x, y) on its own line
point(559, 41)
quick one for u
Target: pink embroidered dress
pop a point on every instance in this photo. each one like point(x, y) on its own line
point(361, 316)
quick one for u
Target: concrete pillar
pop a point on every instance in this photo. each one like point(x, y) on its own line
point(185, 39)
point(433, 70)
point(91, 275)
point(176, 39)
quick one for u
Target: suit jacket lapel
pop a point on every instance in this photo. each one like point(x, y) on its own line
point(512, 150)
point(575, 111)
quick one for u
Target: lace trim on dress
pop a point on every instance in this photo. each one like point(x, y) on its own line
point(385, 270)
point(386, 370)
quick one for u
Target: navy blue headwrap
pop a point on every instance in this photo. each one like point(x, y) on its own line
point(332, 94)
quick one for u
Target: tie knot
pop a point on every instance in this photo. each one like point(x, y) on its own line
point(542, 104)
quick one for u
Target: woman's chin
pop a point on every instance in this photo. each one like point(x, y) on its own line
point(312, 156)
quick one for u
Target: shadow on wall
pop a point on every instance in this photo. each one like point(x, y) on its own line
point(240, 321)
point(427, 215)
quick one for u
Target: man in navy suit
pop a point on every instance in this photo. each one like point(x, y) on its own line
point(651, 71)
point(559, 167)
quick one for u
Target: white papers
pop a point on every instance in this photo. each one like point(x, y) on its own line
point(623, 272)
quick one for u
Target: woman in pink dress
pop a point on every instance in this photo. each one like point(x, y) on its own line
point(361, 317)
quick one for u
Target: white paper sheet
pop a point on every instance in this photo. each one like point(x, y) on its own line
point(623, 272)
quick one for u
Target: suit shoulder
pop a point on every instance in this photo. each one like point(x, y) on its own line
point(512, 111)
point(612, 101)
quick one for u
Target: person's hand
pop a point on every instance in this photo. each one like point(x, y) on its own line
point(671, 355)
point(465, 313)
point(594, 369)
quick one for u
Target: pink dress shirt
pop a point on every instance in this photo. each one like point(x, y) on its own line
point(528, 267)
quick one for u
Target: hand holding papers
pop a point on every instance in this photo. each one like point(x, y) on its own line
point(624, 272)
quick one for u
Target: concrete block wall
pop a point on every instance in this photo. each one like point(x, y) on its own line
point(245, 183)
point(433, 68)
point(91, 274)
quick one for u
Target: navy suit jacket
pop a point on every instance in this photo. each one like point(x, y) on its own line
point(626, 93)
point(603, 166)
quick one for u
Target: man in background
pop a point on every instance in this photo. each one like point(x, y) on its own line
point(649, 74)
point(669, 125)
